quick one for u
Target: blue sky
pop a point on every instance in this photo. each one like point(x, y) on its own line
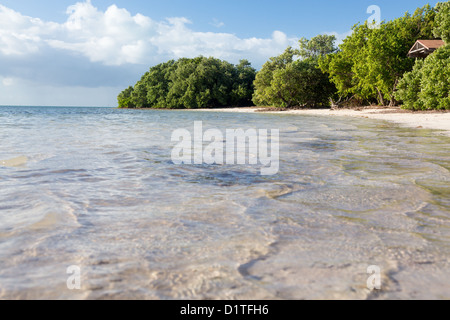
point(64, 52)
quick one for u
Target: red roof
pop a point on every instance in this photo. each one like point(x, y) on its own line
point(432, 44)
point(423, 48)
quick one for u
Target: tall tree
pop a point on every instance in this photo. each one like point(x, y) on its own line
point(263, 94)
point(244, 87)
point(192, 83)
point(318, 46)
point(139, 94)
point(294, 79)
point(124, 98)
point(371, 61)
point(158, 84)
point(442, 29)
point(301, 83)
point(342, 67)
point(427, 86)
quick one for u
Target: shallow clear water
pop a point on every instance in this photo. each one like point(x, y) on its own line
point(96, 188)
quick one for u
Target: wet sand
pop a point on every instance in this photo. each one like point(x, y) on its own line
point(421, 120)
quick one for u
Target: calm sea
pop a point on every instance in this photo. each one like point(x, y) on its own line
point(96, 189)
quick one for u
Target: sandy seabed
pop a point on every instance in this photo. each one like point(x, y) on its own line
point(421, 120)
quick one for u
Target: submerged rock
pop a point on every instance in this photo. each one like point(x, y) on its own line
point(15, 162)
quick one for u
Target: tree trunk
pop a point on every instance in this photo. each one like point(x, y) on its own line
point(392, 101)
point(286, 102)
point(380, 98)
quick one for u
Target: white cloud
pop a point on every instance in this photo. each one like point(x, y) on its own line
point(107, 49)
point(115, 37)
point(21, 35)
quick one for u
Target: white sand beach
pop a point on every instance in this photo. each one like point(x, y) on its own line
point(421, 120)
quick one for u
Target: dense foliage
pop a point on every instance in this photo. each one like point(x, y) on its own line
point(442, 29)
point(192, 83)
point(370, 66)
point(427, 86)
point(294, 79)
point(371, 61)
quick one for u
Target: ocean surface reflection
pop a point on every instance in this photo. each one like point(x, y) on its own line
point(96, 188)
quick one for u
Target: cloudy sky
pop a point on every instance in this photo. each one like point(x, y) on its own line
point(68, 53)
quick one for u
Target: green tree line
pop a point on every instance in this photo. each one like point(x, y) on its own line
point(427, 86)
point(370, 67)
point(192, 83)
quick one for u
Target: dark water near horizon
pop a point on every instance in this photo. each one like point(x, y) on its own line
point(96, 188)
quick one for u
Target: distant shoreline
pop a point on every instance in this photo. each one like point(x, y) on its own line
point(435, 120)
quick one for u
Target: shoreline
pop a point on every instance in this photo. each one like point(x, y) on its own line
point(432, 120)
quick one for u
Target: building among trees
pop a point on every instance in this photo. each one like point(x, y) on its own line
point(423, 48)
